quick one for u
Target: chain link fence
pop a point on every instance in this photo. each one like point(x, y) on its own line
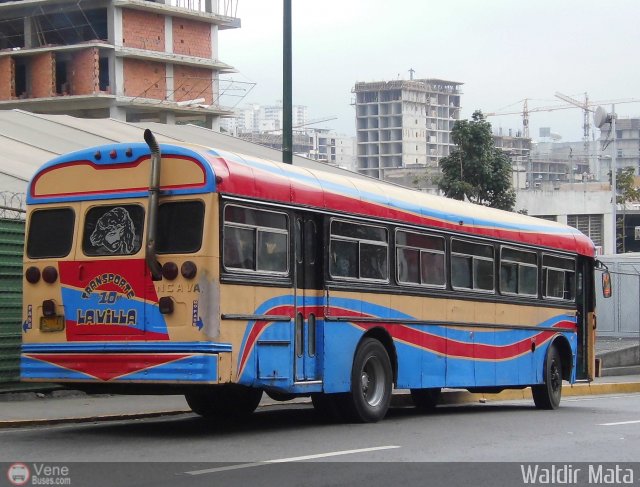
point(12, 205)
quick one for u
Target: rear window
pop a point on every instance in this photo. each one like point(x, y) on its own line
point(180, 227)
point(113, 230)
point(50, 233)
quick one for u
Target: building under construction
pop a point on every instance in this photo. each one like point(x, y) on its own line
point(133, 60)
point(404, 124)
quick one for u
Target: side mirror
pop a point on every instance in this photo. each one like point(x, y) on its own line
point(606, 283)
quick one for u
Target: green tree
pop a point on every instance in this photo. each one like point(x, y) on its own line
point(626, 186)
point(476, 169)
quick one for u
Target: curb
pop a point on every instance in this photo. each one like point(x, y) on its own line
point(452, 397)
point(399, 399)
point(19, 423)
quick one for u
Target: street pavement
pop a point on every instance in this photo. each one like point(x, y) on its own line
point(28, 409)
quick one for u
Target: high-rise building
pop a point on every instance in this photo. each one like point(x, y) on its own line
point(404, 124)
point(332, 148)
point(627, 144)
point(133, 60)
point(255, 118)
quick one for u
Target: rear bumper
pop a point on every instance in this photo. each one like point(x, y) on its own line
point(150, 363)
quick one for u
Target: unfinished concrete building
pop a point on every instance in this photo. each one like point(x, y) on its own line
point(404, 124)
point(134, 60)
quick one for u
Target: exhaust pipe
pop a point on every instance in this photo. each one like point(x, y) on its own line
point(152, 212)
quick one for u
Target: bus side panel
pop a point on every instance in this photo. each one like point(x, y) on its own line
point(340, 343)
point(484, 352)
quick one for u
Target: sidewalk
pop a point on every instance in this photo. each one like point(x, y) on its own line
point(30, 409)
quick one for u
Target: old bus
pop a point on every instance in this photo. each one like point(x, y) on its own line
point(228, 276)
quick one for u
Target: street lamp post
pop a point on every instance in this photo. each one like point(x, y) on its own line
point(287, 82)
point(614, 169)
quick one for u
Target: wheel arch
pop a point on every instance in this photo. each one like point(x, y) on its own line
point(384, 337)
point(566, 355)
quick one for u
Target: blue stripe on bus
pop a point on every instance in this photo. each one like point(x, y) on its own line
point(195, 368)
point(159, 347)
point(37, 369)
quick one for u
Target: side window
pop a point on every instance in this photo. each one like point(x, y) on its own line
point(472, 266)
point(113, 230)
point(559, 277)
point(518, 272)
point(358, 251)
point(255, 240)
point(180, 225)
point(420, 259)
point(50, 233)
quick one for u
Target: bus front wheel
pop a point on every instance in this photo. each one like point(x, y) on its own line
point(371, 383)
point(226, 401)
point(548, 394)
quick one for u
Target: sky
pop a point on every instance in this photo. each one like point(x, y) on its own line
point(502, 50)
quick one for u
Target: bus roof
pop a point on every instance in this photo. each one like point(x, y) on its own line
point(122, 170)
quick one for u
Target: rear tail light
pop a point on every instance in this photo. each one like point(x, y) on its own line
point(50, 274)
point(49, 308)
point(170, 271)
point(166, 305)
point(188, 270)
point(32, 275)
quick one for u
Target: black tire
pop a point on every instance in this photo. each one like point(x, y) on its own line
point(224, 402)
point(371, 384)
point(548, 394)
point(426, 399)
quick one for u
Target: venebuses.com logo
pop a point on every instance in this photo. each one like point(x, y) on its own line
point(38, 474)
point(18, 474)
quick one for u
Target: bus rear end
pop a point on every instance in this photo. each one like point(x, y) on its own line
point(94, 313)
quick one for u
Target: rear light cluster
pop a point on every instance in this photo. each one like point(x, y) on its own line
point(49, 275)
point(48, 308)
point(188, 270)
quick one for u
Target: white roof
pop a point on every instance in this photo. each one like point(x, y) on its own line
point(28, 140)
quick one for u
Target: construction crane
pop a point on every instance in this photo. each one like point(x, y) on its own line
point(586, 125)
point(574, 103)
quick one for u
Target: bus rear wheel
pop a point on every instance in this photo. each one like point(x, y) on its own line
point(548, 394)
point(226, 401)
point(371, 383)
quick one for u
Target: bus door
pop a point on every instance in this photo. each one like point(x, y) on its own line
point(309, 307)
point(585, 319)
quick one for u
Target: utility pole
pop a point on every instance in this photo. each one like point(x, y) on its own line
point(287, 97)
point(614, 169)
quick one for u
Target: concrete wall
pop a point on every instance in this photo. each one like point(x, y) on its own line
point(576, 199)
point(143, 30)
point(7, 78)
point(144, 79)
point(191, 83)
point(84, 72)
point(191, 38)
point(43, 75)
